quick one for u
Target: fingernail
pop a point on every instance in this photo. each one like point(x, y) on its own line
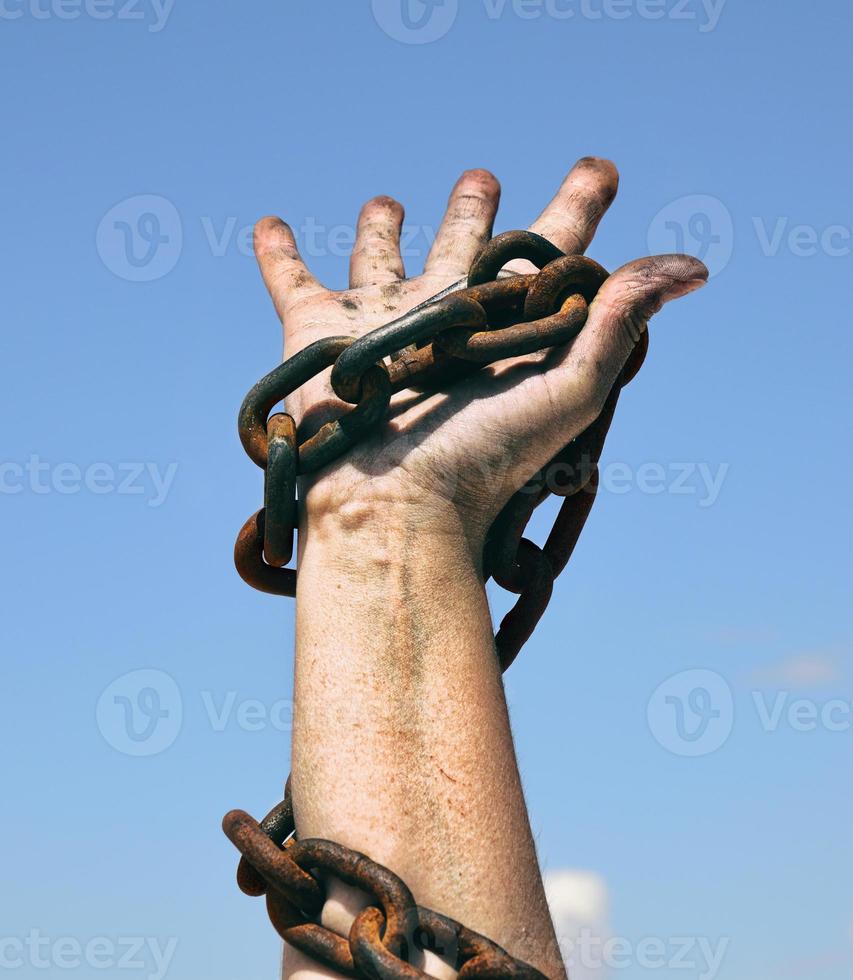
point(683, 287)
point(687, 274)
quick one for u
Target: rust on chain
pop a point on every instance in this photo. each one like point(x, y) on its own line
point(507, 247)
point(502, 297)
point(407, 331)
point(335, 437)
point(250, 564)
point(569, 524)
point(339, 435)
point(279, 825)
point(519, 339)
point(277, 385)
point(396, 902)
point(280, 490)
point(519, 623)
point(559, 280)
point(505, 538)
point(274, 864)
point(555, 309)
point(387, 939)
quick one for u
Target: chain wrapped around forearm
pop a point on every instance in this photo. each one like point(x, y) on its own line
point(389, 935)
point(469, 325)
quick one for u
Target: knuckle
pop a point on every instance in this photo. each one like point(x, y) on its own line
point(469, 209)
point(562, 231)
point(586, 206)
point(376, 239)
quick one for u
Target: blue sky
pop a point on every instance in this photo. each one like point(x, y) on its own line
point(139, 149)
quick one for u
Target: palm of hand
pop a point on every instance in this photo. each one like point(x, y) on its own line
point(475, 444)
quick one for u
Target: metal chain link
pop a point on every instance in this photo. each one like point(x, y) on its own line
point(386, 936)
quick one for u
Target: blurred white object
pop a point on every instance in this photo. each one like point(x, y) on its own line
point(579, 903)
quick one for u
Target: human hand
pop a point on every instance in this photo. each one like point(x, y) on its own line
point(462, 452)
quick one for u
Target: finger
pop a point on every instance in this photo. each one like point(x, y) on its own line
point(467, 224)
point(618, 317)
point(571, 219)
point(376, 255)
point(285, 274)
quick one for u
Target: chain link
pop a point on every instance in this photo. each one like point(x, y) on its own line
point(386, 937)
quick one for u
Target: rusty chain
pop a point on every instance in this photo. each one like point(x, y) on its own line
point(454, 333)
point(467, 326)
point(386, 937)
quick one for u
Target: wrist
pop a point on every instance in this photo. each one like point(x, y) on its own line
point(364, 537)
point(382, 553)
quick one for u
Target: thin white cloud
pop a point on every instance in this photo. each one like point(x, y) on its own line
point(579, 903)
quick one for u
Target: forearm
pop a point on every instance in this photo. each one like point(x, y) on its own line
point(402, 745)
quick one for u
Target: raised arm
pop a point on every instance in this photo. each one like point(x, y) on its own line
point(402, 744)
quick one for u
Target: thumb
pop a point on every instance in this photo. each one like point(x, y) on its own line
point(619, 316)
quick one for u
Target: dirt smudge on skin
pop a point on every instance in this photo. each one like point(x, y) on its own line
point(302, 279)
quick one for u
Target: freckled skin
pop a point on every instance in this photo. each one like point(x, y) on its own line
point(402, 744)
